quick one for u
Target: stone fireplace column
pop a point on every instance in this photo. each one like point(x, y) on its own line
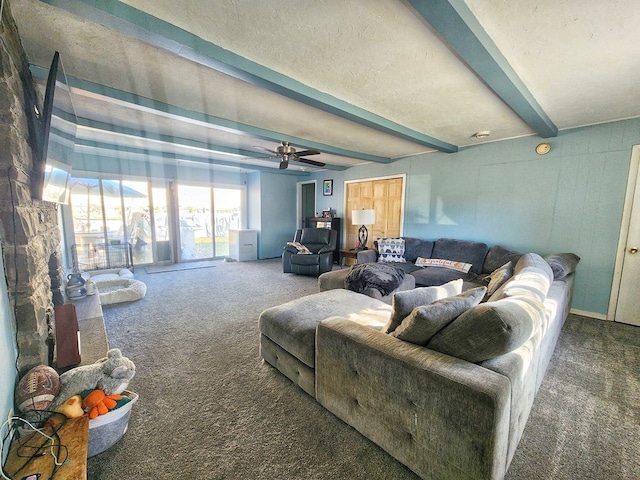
point(29, 231)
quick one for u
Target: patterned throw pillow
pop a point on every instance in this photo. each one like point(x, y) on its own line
point(438, 262)
point(391, 250)
point(302, 250)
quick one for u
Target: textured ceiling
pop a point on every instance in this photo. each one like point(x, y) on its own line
point(359, 80)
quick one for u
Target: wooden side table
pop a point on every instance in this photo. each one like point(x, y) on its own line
point(346, 253)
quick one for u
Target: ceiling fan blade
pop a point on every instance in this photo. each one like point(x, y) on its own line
point(307, 152)
point(310, 162)
point(283, 164)
point(272, 152)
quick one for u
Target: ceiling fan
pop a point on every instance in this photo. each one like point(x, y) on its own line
point(286, 152)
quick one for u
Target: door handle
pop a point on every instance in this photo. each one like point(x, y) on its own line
point(633, 250)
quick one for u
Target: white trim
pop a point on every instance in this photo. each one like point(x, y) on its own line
point(584, 313)
point(386, 177)
point(632, 183)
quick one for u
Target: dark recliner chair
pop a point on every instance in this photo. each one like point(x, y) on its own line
point(321, 242)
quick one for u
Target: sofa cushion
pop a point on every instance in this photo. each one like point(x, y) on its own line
point(562, 264)
point(429, 276)
point(532, 277)
point(414, 248)
point(292, 325)
point(489, 329)
point(403, 303)
point(391, 250)
point(533, 262)
point(461, 251)
point(427, 320)
point(498, 256)
point(406, 267)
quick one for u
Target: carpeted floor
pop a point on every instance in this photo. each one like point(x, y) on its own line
point(174, 267)
point(210, 409)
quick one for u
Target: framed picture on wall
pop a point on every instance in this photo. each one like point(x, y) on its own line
point(327, 188)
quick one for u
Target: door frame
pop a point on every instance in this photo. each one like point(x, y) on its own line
point(299, 220)
point(174, 209)
point(633, 183)
point(371, 179)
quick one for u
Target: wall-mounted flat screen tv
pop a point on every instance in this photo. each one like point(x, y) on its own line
point(52, 165)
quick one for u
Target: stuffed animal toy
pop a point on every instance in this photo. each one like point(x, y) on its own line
point(111, 374)
point(98, 403)
point(72, 408)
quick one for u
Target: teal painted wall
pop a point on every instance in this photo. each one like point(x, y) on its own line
point(504, 193)
point(8, 357)
point(501, 193)
point(278, 213)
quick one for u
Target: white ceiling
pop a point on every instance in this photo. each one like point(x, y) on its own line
point(359, 80)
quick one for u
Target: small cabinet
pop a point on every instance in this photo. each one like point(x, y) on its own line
point(331, 223)
point(243, 245)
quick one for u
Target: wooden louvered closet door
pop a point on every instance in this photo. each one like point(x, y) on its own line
point(385, 197)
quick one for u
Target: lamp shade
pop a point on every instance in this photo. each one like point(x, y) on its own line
point(363, 217)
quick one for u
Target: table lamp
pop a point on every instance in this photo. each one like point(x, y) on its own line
point(363, 217)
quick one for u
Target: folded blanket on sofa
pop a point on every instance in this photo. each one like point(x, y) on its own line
point(379, 276)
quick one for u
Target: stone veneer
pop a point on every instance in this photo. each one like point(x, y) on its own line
point(28, 229)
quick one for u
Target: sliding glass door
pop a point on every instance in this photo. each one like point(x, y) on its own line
point(206, 214)
point(194, 212)
point(107, 214)
point(195, 222)
point(226, 214)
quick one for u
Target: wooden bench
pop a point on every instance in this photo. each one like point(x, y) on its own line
point(31, 454)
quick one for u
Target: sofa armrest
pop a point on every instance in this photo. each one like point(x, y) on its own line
point(441, 416)
point(367, 256)
point(326, 249)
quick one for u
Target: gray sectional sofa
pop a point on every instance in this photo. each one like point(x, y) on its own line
point(443, 379)
point(483, 260)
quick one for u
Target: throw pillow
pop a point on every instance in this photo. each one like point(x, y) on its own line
point(403, 303)
point(562, 264)
point(302, 250)
point(498, 277)
point(439, 262)
point(489, 329)
point(391, 250)
point(425, 321)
